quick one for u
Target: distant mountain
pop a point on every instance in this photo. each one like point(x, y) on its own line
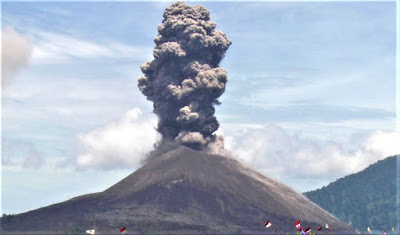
point(182, 191)
point(367, 198)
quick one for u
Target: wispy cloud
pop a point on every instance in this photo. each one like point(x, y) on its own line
point(310, 111)
point(291, 87)
point(50, 46)
point(20, 153)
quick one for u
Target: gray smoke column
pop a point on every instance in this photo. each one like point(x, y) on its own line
point(184, 80)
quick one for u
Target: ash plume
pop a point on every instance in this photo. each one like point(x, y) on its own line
point(184, 80)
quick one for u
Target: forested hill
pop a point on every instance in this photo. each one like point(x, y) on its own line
point(367, 198)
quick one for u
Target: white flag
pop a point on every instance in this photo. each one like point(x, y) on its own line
point(90, 231)
point(326, 225)
point(369, 230)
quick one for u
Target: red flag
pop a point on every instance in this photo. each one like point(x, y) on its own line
point(308, 230)
point(384, 232)
point(267, 224)
point(123, 230)
point(298, 225)
point(319, 228)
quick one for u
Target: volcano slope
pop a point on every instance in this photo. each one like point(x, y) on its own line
point(183, 191)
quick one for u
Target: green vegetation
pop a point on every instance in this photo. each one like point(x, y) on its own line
point(75, 231)
point(367, 198)
point(6, 218)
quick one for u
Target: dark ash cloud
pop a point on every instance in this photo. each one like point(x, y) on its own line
point(184, 80)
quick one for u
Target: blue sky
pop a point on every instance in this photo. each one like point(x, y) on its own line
point(311, 86)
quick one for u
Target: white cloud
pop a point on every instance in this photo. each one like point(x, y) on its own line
point(293, 158)
point(16, 53)
point(120, 144)
point(383, 143)
point(54, 46)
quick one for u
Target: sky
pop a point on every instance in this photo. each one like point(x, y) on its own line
point(311, 95)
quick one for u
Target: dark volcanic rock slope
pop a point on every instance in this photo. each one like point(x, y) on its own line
point(183, 191)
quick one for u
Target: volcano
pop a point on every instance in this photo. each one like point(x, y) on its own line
point(182, 191)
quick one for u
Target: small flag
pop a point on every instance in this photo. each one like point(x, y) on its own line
point(267, 224)
point(393, 229)
point(308, 230)
point(319, 228)
point(123, 230)
point(326, 225)
point(384, 232)
point(298, 225)
point(369, 230)
point(90, 231)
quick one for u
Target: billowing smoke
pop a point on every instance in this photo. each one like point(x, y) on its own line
point(184, 80)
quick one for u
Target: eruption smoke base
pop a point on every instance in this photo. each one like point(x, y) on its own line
point(184, 80)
